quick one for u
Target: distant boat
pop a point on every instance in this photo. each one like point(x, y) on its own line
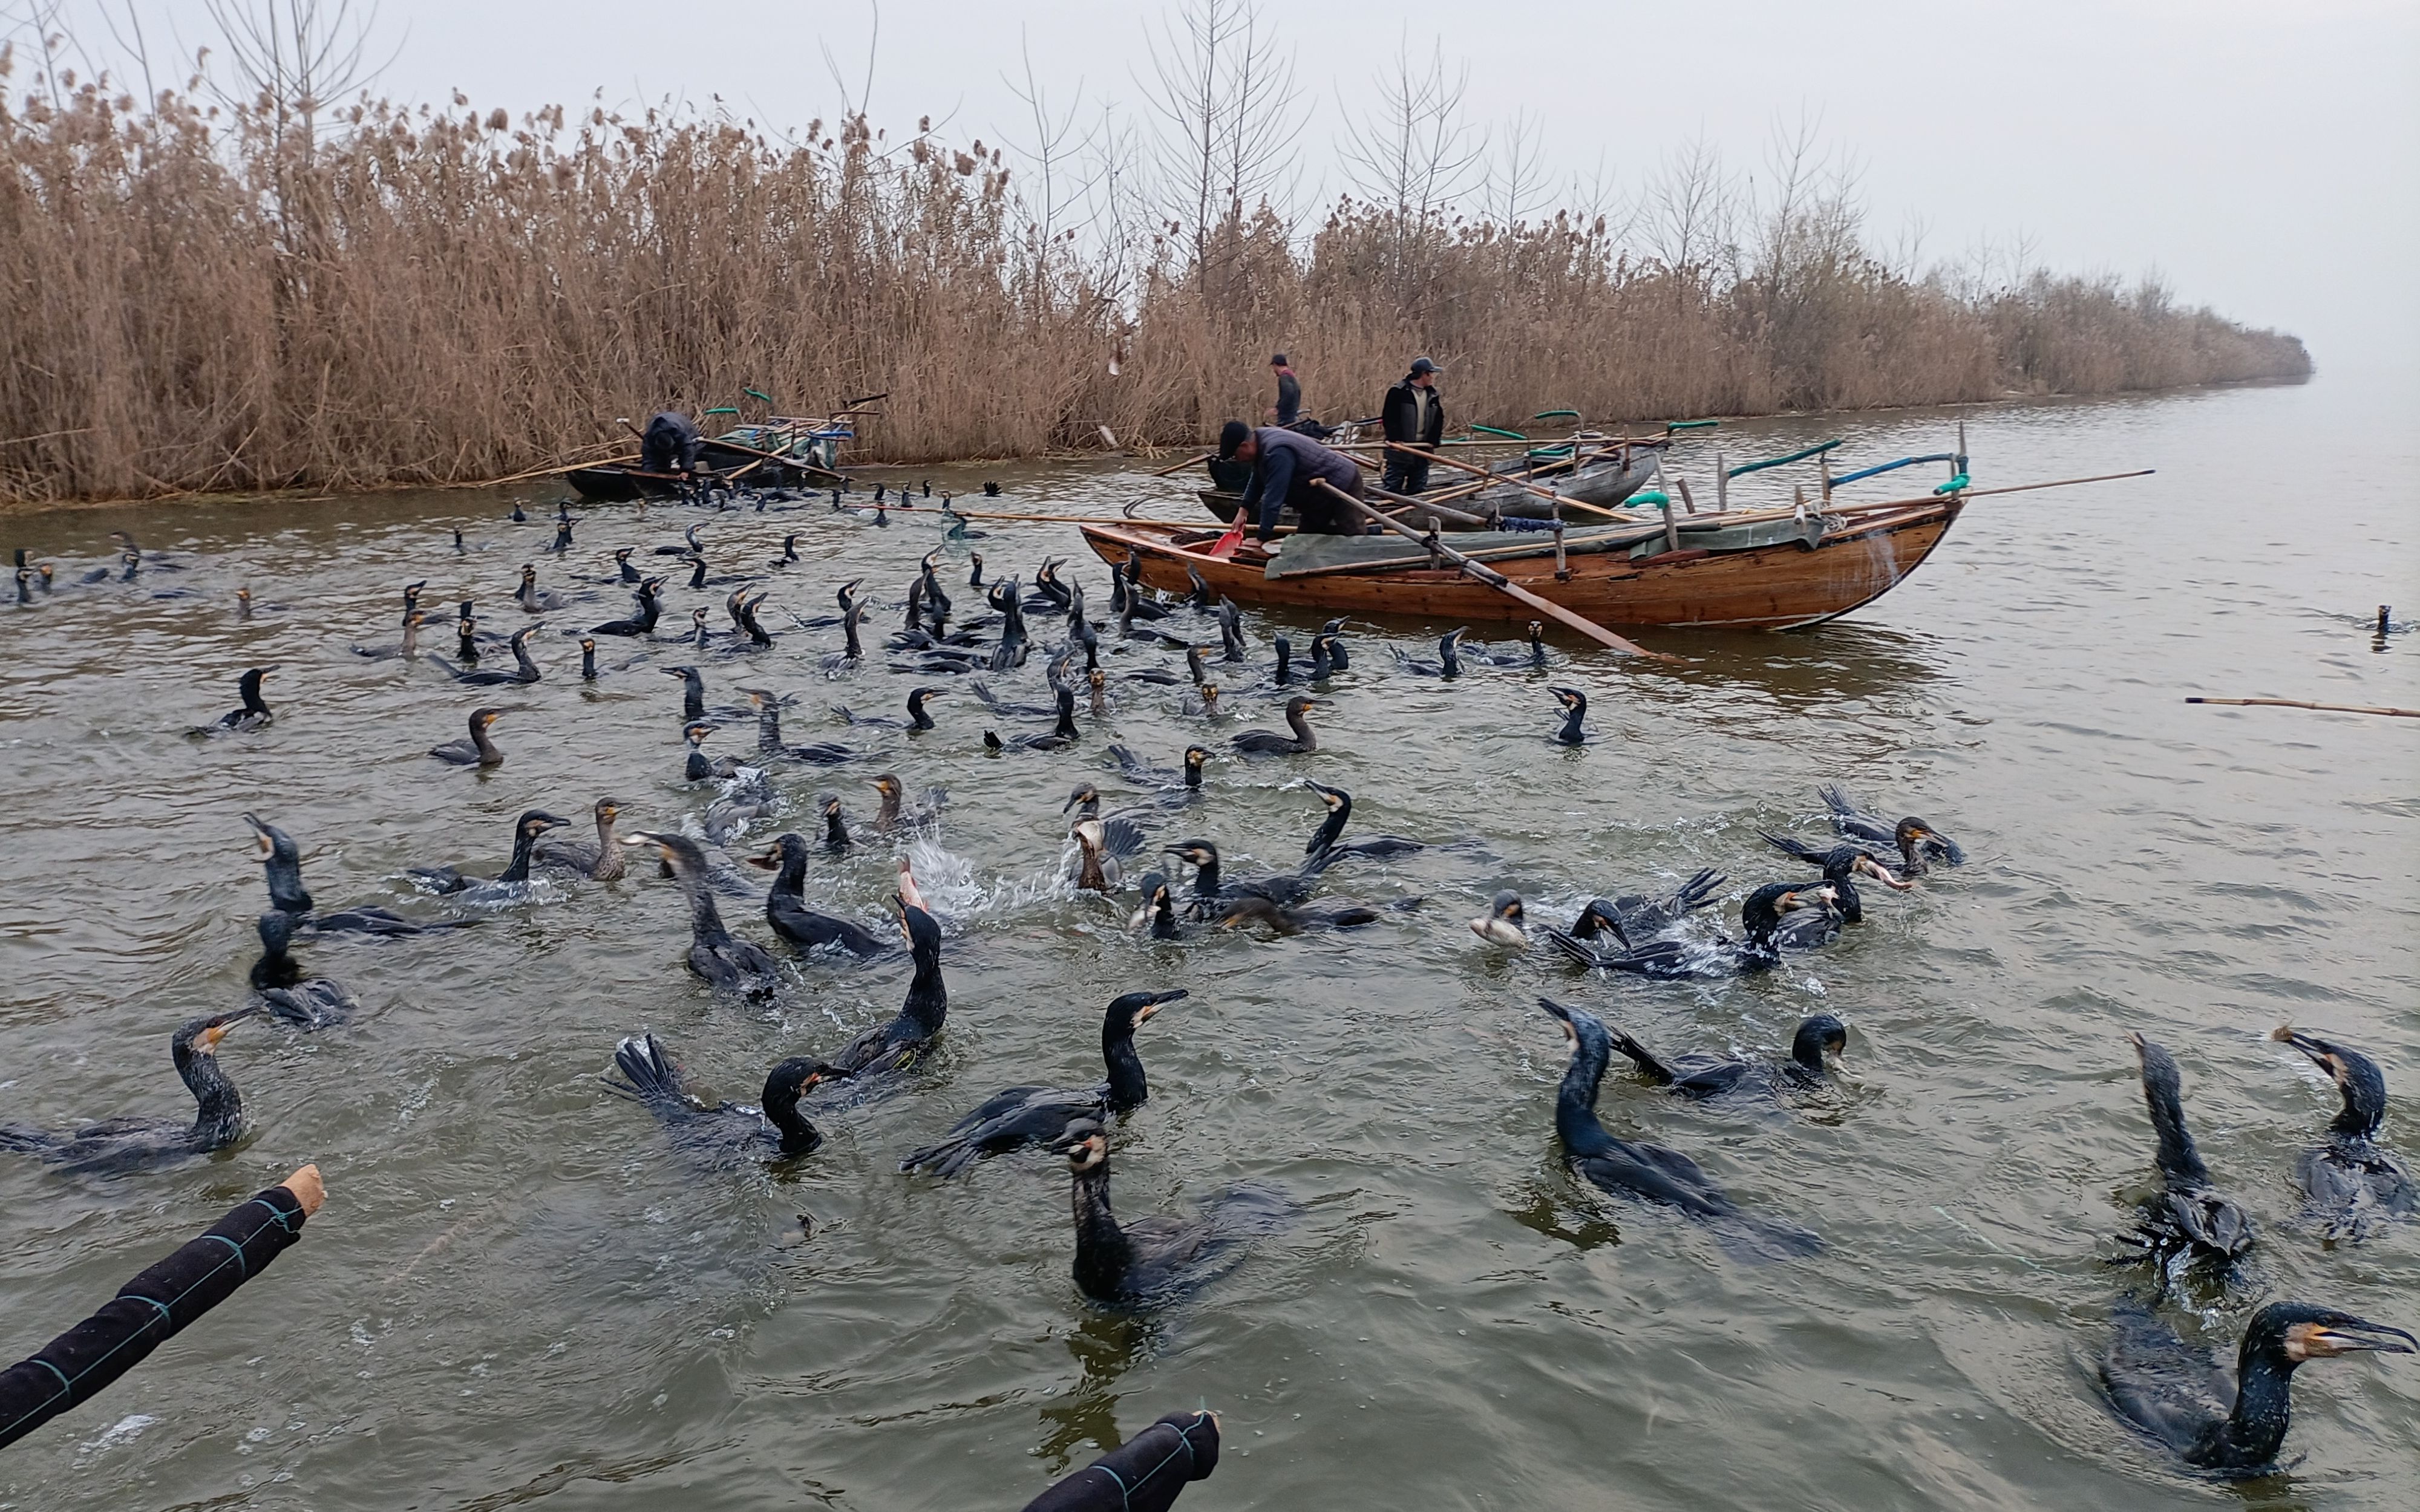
point(784, 452)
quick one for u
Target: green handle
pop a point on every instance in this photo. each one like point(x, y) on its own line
point(1651, 499)
point(1687, 425)
point(1509, 435)
point(1548, 453)
point(722, 409)
point(1555, 414)
point(1956, 485)
point(757, 393)
point(1777, 461)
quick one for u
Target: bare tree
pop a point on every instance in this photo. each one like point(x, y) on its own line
point(1515, 184)
point(294, 57)
point(1413, 154)
point(1227, 98)
point(1688, 210)
point(1057, 155)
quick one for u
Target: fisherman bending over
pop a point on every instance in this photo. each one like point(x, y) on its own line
point(1285, 467)
point(670, 444)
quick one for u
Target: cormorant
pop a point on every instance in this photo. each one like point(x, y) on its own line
point(1703, 1075)
point(255, 714)
point(1908, 847)
point(724, 960)
point(1449, 662)
point(1156, 1260)
point(2351, 1182)
point(1324, 840)
point(768, 735)
point(1023, 1116)
point(312, 1003)
point(1572, 732)
point(525, 670)
point(699, 765)
point(130, 1143)
point(600, 862)
point(1269, 743)
point(526, 830)
point(1532, 655)
point(897, 1044)
point(1177, 786)
point(1158, 910)
point(786, 910)
point(651, 1075)
point(281, 860)
point(692, 691)
point(1211, 888)
point(1251, 909)
point(1760, 916)
point(476, 751)
point(530, 596)
point(1064, 733)
point(892, 813)
point(1626, 1168)
point(2178, 1395)
point(1506, 921)
point(916, 718)
point(2188, 1219)
point(650, 610)
point(1813, 929)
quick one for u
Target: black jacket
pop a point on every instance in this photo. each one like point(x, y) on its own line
point(1401, 415)
point(1289, 399)
point(1143, 1475)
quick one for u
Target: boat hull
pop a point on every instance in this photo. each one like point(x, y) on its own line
point(1781, 587)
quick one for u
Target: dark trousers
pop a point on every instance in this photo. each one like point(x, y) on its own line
point(1405, 473)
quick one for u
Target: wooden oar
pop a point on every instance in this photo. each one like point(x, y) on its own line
point(1544, 493)
point(1179, 466)
point(2300, 703)
point(1502, 584)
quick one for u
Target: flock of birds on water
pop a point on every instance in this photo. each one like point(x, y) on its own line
point(2188, 1232)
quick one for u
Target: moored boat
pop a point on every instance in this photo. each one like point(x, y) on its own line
point(783, 452)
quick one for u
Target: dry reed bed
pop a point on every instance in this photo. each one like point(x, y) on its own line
point(192, 301)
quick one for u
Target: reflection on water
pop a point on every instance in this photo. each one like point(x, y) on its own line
point(520, 1293)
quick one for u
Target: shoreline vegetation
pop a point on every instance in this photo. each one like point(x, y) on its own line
point(216, 292)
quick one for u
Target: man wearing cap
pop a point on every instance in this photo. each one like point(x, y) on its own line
point(1415, 415)
point(1289, 407)
point(1285, 466)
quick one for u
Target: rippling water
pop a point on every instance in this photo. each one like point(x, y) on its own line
point(518, 1295)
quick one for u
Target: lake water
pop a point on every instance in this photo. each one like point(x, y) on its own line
point(518, 1295)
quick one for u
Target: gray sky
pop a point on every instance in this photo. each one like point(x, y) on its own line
point(2264, 155)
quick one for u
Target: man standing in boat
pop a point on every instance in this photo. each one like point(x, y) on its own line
point(1413, 415)
point(1285, 465)
point(1288, 413)
point(670, 444)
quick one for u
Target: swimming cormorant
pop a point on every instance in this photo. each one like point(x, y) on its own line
point(1251, 909)
point(1627, 1168)
point(651, 1075)
point(768, 735)
point(1813, 929)
point(893, 813)
point(1156, 1260)
point(699, 765)
point(525, 670)
point(1211, 888)
point(786, 910)
point(130, 1143)
point(1324, 840)
point(600, 862)
point(1023, 1116)
point(1760, 916)
point(310, 1003)
point(1449, 662)
point(476, 751)
point(1269, 743)
point(714, 954)
point(1061, 734)
point(897, 1044)
point(1177, 786)
point(2351, 1182)
point(692, 691)
point(255, 714)
point(1703, 1075)
point(2188, 1219)
point(650, 610)
point(2232, 1428)
point(916, 718)
point(1908, 847)
point(281, 861)
point(526, 829)
point(1575, 702)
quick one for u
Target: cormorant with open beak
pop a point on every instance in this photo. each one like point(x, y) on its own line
point(1572, 732)
point(2352, 1182)
point(2232, 1428)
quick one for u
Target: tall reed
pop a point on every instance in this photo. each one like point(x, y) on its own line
point(196, 298)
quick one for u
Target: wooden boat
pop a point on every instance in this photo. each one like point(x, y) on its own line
point(1767, 571)
point(782, 453)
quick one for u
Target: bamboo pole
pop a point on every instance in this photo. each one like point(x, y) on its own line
point(2302, 703)
point(1543, 493)
point(1483, 573)
point(1180, 467)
